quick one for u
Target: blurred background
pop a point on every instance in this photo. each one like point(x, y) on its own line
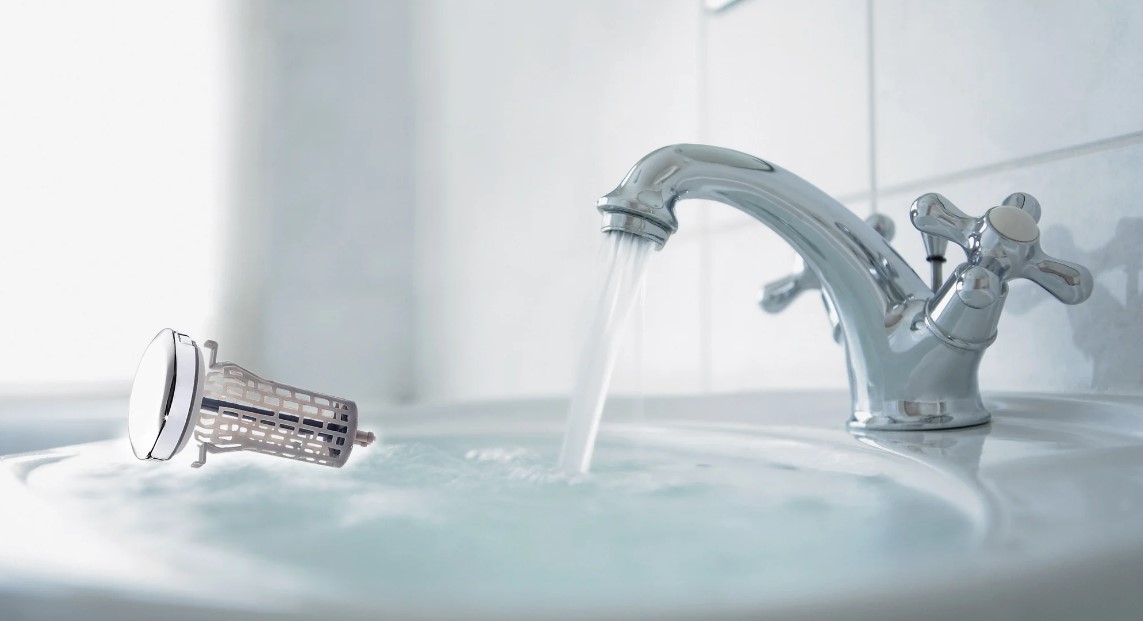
point(394, 200)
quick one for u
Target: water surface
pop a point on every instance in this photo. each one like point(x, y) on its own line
point(671, 517)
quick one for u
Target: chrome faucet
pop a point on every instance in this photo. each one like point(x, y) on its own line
point(777, 295)
point(913, 353)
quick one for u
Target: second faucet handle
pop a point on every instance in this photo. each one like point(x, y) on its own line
point(940, 222)
point(777, 295)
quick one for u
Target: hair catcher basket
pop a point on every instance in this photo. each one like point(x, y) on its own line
point(244, 412)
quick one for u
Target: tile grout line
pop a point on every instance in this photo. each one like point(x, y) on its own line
point(1044, 157)
point(872, 101)
point(706, 304)
point(1056, 155)
point(925, 184)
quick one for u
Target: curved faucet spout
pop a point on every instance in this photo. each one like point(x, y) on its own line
point(901, 376)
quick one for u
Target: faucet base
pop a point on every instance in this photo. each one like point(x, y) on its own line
point(922, 416)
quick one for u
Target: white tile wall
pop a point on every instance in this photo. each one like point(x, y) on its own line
point(789, 81)
point(318, 265)
point(975, 82)
point(529, 111)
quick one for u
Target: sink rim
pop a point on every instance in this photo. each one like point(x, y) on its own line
point(1116, 421)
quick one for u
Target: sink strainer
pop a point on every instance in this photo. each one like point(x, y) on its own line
point(227, 408)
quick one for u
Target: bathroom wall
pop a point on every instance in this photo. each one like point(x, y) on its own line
point(112, 185)
point(407, 212)
point(526, 112)
point(318, 279)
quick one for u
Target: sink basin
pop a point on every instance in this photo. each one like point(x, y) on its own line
point(745, 505)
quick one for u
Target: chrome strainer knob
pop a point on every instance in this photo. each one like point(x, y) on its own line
point(227, 408)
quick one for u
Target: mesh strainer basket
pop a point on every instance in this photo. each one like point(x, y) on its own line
point(227, 408)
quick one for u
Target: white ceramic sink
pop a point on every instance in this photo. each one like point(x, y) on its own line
point(751, 506)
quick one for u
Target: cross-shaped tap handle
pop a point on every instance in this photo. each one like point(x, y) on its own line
point(1005, 241)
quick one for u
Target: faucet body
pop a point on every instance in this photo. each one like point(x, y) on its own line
point(777, 295)
point(912, 353)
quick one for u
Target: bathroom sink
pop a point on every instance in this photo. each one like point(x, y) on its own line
point(751, 506)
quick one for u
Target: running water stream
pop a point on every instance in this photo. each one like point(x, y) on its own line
point(623, 265)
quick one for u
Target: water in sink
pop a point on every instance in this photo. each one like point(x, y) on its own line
point(672, 516)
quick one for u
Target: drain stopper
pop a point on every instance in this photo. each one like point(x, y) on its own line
point(227, 408)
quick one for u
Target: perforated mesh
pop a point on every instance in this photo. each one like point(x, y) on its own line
point(277, 419)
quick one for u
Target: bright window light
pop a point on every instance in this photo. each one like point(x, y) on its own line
point(112, 184)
